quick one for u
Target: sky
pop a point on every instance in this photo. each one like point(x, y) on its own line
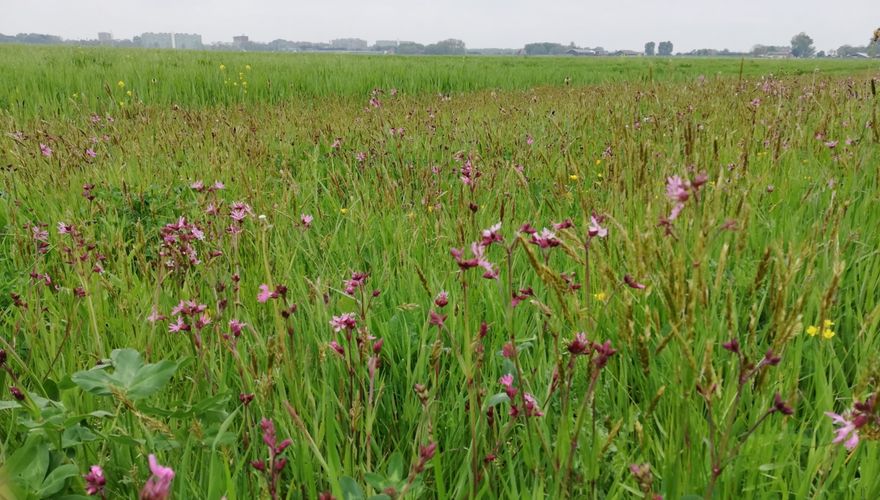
point(613, 24)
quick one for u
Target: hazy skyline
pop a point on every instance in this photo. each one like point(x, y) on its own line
point(689, 24)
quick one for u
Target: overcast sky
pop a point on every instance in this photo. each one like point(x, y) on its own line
point(619, 24)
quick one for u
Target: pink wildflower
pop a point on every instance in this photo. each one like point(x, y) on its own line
point(846, 433)
point(491, 235)
point(595, 229)
point(546, 239)
point(158, 487)
point(45, 150)
point(676, 189)
point(265, 294)
point(345, 321)
point(95, 481)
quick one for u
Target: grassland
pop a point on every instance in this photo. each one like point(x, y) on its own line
point(722, 314)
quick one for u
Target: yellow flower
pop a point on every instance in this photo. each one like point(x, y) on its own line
point(411, 215)
point(598, 162)
point(128, 93)
point(827, 333)
point(600, 296)
point(599, 174)
point(120, 84)
point(573, 177)
point(222, 67)
point(812, 330)
point(247, 67)
point(828, 323)
point(430, 208)
point(343, 211)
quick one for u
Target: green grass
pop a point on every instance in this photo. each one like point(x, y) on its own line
point(782, 236)
point(47, 81)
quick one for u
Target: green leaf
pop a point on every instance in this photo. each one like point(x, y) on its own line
point(94, 381)
point(131, 376)
point(9, 405)
point(350, 489)
point(395, 467)
point(497, 399)
point(76, 435)
point(28, 465)
point(126, 362)
point(375, 480)
point(151, 378)
point(54, 482)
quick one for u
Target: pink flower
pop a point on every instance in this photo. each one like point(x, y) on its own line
point(520, 296)
point(676, 189)
point(846, 429)
point(345, 321)
point(508, 350)
point(45, 150)
point(580, 345)
point(64, 228)
point(337, 348)
point(95, 481)
point(531, 405)
point(91, 153)
point(567, 223)
point(40, 234)
point(546, 239)
point(198, 186)
point(265, 294)
point(595, 229)
point(158, 487)
point(529, 140)
point(491, 235)
point(179, 326)
point(218, 186)
point(236, 326)
point(632, 283)
point(676, 210)
point(155, 315)
point(306, 220)
point(436, 319)
point(442, 299)
point(506, 380)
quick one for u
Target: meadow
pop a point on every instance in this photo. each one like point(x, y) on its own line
point(231, 275)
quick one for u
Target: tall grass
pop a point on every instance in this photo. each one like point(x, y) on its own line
point(408, 398)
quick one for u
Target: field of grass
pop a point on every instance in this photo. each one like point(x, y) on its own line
point(685, 279)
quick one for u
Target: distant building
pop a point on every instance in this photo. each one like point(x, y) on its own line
point(190, 41)
point(187, 41)
point(581, 52)
point(386, 44)
point(778, 53)
point(627, 53)
point(155, 40)
point(105, 38)
point(349, 44)
point(240, 40)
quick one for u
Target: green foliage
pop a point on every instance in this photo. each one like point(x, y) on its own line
point(131, 377)
point(802, 45)
point(779, 238)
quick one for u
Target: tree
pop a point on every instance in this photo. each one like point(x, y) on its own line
point(802, 45)
point(544, 49)
point(665, 48)
point(446, 47)
point(649, 48)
